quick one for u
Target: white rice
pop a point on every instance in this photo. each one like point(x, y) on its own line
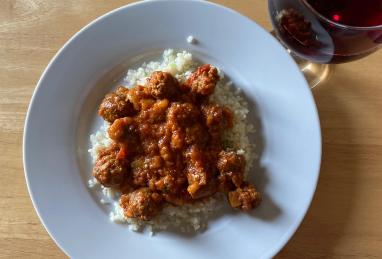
point(190, 217)
point(179, 64)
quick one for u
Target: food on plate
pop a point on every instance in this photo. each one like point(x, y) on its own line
point(169, 142)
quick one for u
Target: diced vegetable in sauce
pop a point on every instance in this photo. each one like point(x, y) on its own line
point(167, 146)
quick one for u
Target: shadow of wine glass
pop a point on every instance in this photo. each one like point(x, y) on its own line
point(331, 209)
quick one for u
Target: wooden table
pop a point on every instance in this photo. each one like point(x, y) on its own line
point(345, 217)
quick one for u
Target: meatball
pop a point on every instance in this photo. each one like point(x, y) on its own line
point(231, 169)
point(162, 85)
point(115, 105)
point(245, 198)
point(182, 114)
point(108, 169)
point(203, 80)
point(142, 203)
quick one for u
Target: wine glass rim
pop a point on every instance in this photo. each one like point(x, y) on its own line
point(364, 28)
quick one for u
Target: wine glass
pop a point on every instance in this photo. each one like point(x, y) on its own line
point(318, 33)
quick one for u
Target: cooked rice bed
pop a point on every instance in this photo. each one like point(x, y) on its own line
point(190, 217)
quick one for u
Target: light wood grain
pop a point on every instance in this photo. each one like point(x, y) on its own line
point(345, 217)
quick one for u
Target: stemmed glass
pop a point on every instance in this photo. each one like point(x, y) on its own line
point(318, 33)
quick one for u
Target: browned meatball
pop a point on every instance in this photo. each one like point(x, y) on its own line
point(245, 198)
point(142, 203)
point(231, 168)
point(108, 169)
point(162, 85)
point(115, 105)
point(203, 80)
point(182, 114)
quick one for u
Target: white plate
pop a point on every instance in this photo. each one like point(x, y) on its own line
point(64, 105)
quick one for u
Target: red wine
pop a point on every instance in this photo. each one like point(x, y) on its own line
point(361, 13)
point(300, 25)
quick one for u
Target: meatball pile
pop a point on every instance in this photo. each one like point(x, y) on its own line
point(166, 146)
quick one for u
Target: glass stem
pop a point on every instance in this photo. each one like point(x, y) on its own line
point(314, 73)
